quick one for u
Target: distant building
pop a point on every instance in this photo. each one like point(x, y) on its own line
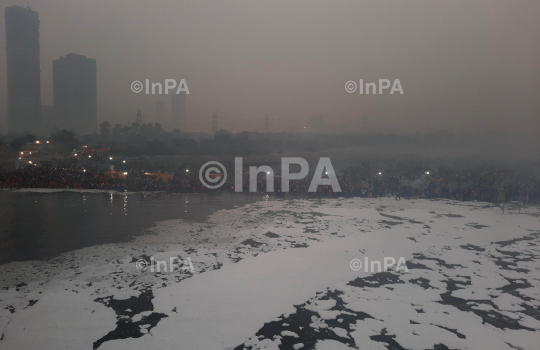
point(178, 111)
point(48, 118)
point(75, 93)
point(95, 152)
point(23, 71)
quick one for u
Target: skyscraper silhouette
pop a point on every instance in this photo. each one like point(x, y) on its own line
point(23, 71)
point(75, 92)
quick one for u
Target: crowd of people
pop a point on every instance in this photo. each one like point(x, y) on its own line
point(472, 183)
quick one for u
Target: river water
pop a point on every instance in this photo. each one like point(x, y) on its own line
point(41, 225)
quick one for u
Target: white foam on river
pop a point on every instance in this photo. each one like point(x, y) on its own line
point(245, 277)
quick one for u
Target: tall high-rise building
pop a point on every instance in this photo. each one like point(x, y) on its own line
point(48, 120)
point(178, 111)
point(75, 93)
point(23, 71)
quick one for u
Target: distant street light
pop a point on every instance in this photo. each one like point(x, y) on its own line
point(110, 158)
point(427, 172)
point(124, 161)
point(380, 173)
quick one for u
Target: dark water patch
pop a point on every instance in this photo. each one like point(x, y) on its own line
point(300, 322)
point(441, 262)
point(376, 280)
point(125, 309)
point(462, 336)
point(295, 244)
point(491, 317)
point(441, 347)
point(299, 245)
point(513, 286)
point(38, 226)
point(422, 282)
point(440, 215)
point(271, 234)
point(512, 254)
point(414, 265)
point(384, 337)
point(529, 237)
point(393, 217)
point(472, 247)
point(509, 265)
point(476, 226)
point(252, 243)
point(531, 311)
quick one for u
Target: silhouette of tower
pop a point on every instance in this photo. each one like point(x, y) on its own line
point(23, 71)
point(75, 92)
point(139, 116)
point(214, 128)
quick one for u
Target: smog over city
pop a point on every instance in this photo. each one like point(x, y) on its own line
point(269, 174)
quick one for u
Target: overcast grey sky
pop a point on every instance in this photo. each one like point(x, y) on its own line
point(463, 65)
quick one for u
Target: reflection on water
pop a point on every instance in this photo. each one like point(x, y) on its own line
point(36, 226)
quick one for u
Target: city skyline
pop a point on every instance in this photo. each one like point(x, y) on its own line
point(245, 75)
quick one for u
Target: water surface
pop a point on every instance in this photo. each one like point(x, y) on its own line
point(36, 226)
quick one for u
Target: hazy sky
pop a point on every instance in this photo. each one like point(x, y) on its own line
point(463, 65)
